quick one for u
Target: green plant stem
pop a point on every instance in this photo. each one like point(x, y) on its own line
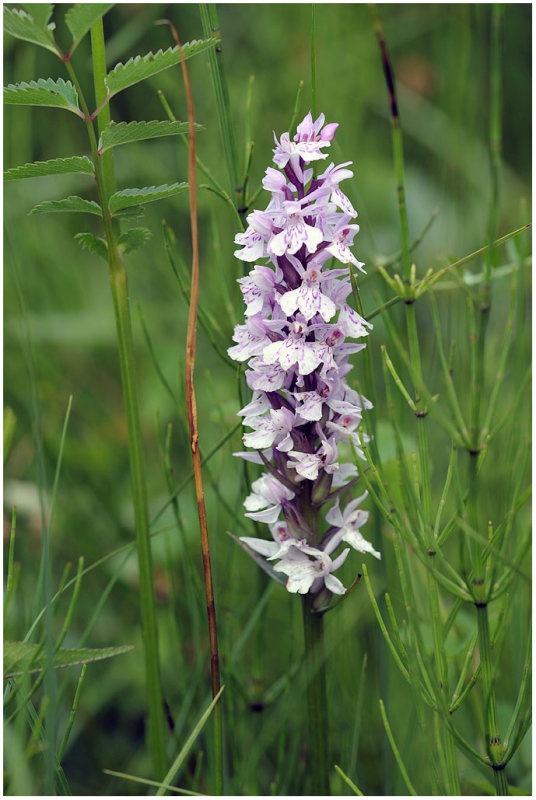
point(119, 289)
point(313, 631)
point(98, 53)
point(492, 732)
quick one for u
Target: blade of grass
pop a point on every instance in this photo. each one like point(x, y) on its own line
point(296, 111)
point(148, 782)
point(395, 750)
point(358, 717)
point(72, 714)
point(10, 583)
point(175, 767)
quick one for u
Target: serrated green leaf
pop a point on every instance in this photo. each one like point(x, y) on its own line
point(72, 203)
point(95, 244)
point(22, 657)
point(134, 239)
point(125, 132)
point(82, 16)
point(141, 67)
point(44, 92)
point(56, 166)
point(135, 197)
point(41, 12)
point(23, 26)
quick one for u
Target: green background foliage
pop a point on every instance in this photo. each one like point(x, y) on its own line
point(59, 340)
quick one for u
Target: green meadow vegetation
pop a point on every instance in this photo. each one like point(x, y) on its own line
point(107, 675)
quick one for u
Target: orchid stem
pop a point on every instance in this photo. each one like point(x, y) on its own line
point(315, 664)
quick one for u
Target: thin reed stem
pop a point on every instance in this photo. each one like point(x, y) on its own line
point(315, 664)
point(191, 338)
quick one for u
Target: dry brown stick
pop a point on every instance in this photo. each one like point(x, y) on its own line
point(191, 336)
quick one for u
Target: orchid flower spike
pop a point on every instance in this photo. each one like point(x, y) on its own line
point(294, 339)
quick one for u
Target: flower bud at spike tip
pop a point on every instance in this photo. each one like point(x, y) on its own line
point(297, 339)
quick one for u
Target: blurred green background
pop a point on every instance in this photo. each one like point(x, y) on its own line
point(59, 340)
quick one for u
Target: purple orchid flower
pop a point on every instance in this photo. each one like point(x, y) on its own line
point(294, 340)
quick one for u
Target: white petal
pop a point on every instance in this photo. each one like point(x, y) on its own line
point(334, 585)
point(334, 516)
point(277, 244)
point(327, 307)
point(309, 358)
point(269, 515)
point(355, 540)
point(342, 202)
point(259, 439)
point(289, 301)
point(270, 354)
point(261, 546)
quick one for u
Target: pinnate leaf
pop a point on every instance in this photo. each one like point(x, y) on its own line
point(72, 203)
point(23, 26)
point(23, 657)
point(141, 67)
point(95, 244)
point(124, 132)
point(82, 16)
point(134, 239)
point(56, 166)
point(44, 92)
point(135, 197)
